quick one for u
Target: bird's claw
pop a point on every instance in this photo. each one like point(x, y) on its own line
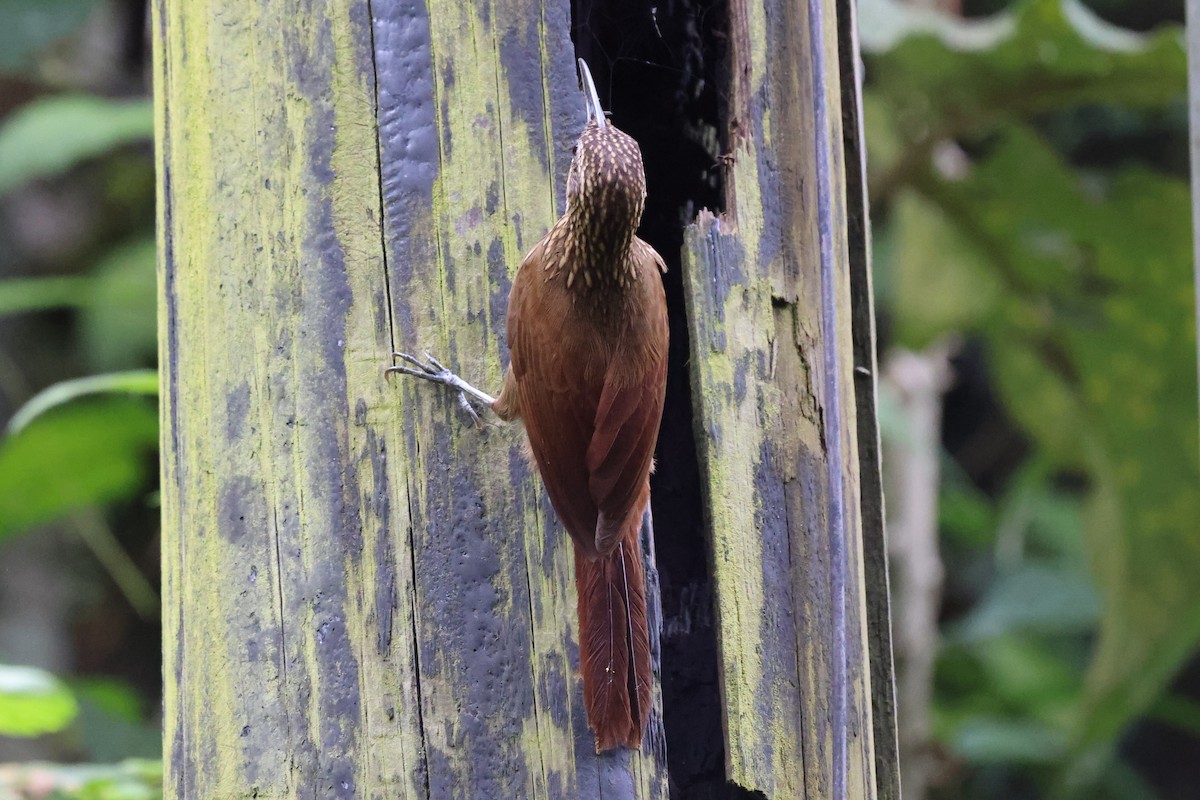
point(432, 371)
point(435, 371)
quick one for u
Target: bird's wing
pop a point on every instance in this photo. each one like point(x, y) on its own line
point(555, 404)
point(592, 418)
point(620, 454)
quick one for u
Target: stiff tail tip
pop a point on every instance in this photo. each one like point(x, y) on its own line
point(614, 644)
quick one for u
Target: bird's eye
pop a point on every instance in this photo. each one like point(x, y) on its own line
point(574, 149)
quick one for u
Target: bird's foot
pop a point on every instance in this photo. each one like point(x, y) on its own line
point(435, 371)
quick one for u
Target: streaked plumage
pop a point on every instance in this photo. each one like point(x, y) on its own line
point(587, 329)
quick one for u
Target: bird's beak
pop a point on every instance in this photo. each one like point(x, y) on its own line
point(593, 98)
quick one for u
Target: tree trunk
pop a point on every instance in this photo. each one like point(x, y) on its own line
point(365, 597)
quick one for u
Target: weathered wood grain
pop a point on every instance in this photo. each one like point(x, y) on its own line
point(770, 315)
point(362, 596)
point(866, 380)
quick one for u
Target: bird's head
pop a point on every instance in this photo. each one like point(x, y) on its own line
point(607, 183)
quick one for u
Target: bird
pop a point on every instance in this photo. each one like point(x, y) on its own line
point(587, 332)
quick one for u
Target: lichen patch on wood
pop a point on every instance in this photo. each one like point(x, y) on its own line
point(368, 598)
point(772, 386)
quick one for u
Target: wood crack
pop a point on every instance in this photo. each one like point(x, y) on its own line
point(416, 646)
point(383, 248)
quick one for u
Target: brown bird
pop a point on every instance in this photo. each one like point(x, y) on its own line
point(587, 332)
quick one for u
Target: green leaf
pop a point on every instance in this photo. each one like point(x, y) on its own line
point(1116, 780)
point(1041, 676)
point(985, 740)
point(110, 696)
point(106, 736)
point(1089, 326)
point(884, 24)
point(30, 25)
point(119, 324)
point(1109, 384)
point(117, 304)
point(47, 137)
point(954, 291)
point(136, 382)
point(33, 702)
point(1179, 710)
point(78, 455)
point(964, 512)
point(935, 77)
point(39, 294)
point(1093, 348)
point(1035, 598)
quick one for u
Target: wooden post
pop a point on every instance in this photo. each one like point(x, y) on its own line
point(876, 584)
point(364, 597)
point(782, 362)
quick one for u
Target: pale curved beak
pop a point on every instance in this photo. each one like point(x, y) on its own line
point(595, 111)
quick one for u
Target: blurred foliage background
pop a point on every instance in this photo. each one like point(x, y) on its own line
point(1028, 180)
point(79, 627)
point(1028, 183)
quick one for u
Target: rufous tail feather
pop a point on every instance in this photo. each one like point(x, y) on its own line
point(614, 642)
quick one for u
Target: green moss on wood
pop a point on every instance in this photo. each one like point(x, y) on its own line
point(307, 648)
point(763, 420)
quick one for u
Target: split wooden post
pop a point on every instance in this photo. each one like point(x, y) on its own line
point(783, 381)
point(364, 597)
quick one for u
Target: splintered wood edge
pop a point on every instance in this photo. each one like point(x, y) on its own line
point(753, 302)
